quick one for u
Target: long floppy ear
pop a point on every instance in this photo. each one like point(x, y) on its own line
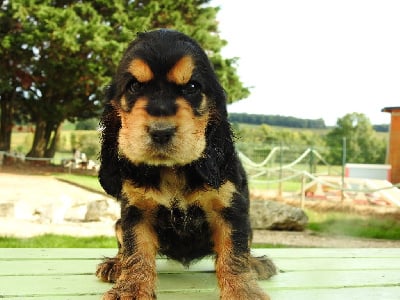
point(219, 156)
point(109, 174)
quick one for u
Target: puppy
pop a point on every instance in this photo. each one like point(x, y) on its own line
point(168, 156)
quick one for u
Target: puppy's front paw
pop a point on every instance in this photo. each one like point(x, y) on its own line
point(109, 270)
point(263, 267)
point(242, 286)
point(243, 294)
point(127, 292)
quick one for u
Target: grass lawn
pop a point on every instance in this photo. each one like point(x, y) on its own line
point(335, 223)
point(58, 241)
point(86, 181)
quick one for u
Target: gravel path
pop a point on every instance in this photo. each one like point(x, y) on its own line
point(37, 199)
point(309, 239)
point(37, 192)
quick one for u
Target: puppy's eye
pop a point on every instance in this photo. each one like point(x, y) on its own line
point(190, 88)
point(135, 86)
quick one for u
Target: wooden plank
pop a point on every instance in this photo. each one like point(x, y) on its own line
point(64, 284)
point(377, 293)
point(320, 264)
point(47, 267)
point(333, 279)
point(372, 293)
point(33, 286)
point(309, 274)
point(322, 294)
point(56, 253)
point(295, 253)
point(182, 295)
point(82, 267)
point(53, 297)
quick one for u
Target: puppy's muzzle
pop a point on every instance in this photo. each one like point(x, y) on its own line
point(161, 133)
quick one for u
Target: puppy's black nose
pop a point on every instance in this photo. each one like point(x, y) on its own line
point(162, 134)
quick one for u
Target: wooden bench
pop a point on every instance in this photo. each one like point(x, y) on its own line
point(38, 274)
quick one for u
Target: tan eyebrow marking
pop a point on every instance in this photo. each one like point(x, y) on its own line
point(182, 71)
point(140, 70)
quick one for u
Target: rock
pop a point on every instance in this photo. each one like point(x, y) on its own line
point(23, 211)
point(266, 214)
point(100, 209)
point(17, 209)
point(59, 208)
point(53, 212)
point(7, 210)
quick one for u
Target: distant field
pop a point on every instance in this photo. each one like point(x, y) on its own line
point(321, 131)
point(253, 143)
point(21, 141)
point(86, 140)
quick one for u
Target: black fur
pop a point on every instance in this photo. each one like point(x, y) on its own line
point(183, 236)
point(183, 232)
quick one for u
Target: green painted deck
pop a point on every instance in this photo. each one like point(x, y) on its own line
point(332, 274)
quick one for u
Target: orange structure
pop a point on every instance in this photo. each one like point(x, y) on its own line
point(393, 157)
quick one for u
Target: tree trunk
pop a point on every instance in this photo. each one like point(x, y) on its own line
point(53, 140)
point(6, 124)
point(39, 140)
point(47, 135)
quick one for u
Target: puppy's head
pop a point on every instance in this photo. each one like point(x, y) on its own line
point(165, 107)
point(165, 94)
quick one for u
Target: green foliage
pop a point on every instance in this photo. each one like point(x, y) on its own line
point(21, 141)
point(270, 136)
point(362, 143)
point(67, 125)
point(88, 124)
point(87, 141)
point(229, 80)
point(353, 225)
point(57, 56)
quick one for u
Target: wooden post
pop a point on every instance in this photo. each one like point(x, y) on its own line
point(303, 191)
point(343, 168)
point(280, 171)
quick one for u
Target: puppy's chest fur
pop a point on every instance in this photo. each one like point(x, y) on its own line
point(182, 217)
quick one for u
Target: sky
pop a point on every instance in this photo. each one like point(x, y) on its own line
point(315, 58)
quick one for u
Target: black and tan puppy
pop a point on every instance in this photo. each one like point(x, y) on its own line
point(168, 156)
